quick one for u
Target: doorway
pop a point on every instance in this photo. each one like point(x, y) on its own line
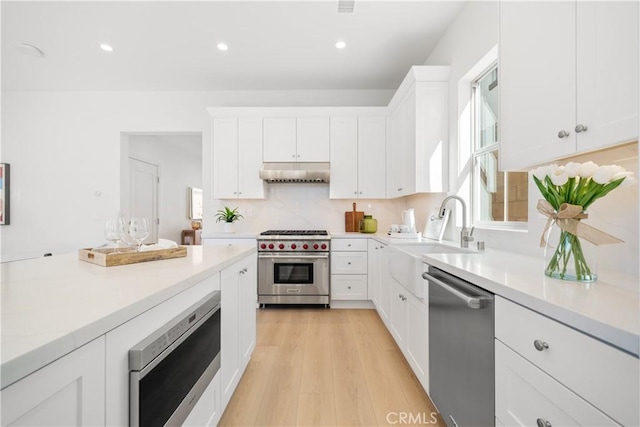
point(143, 194)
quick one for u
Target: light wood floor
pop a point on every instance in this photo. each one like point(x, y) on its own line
point(314, 367)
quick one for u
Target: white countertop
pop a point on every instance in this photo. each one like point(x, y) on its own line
point(52, 305)
point(607, 312)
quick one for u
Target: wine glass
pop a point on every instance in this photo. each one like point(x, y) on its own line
point(139, 230)
point(111, 233)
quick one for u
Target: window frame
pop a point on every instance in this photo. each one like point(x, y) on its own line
point(477, 152)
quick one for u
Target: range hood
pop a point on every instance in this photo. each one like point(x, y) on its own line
point(295, 172)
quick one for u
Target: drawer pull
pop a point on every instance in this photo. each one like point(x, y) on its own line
point(540, 346)
point(543, 423)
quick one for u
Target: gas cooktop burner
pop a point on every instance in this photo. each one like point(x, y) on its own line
point(294, 233)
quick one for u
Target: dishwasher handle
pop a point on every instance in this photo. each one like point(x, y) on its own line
point(474, 302)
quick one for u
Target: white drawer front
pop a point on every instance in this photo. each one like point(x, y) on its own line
point(348, 287)
point(349, 244)
point(227, 242)
point(525, 394)
point(348, 262)
point(601, 374)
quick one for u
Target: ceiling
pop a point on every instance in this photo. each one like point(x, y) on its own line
point(171, 46)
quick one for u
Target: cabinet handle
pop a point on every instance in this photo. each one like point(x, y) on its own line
point(543, 423)
point(563, 134)
point(540, 345)
point(400, 189)
point(293, 155)
point(348, 287)
point(235, 192)
point(355, 192)
point(581, 128)
point(349, 263)
point(298, 155)
point(360, 192)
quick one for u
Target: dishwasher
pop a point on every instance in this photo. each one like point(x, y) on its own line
point(461, 350)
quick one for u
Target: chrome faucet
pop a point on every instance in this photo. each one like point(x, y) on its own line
point(465, 234)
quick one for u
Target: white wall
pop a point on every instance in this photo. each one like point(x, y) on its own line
point(470, 39)
point(65, 153)
point(179, 161)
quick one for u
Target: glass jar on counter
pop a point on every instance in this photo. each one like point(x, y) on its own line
point(368, 224)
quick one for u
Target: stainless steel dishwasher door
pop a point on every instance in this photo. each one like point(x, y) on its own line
point(461, 350)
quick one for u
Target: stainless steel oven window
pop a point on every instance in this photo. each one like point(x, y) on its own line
point(165, 390)
point(285, 273)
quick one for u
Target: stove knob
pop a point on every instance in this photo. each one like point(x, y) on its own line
point(263, 246)
point(315, 246)
point(305, 246)
point(324, 246)
point(281, 246)
point(293, 246)
point(270, 245)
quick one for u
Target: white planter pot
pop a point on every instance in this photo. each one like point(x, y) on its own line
point(228, 227)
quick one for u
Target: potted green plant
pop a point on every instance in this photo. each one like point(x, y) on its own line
point(228, 217)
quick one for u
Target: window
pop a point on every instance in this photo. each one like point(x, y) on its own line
point(500, 199)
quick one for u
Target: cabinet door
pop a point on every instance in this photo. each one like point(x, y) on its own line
point(248, 300)
point(408, 147)
point(344, 153)
point(373, 272)
point(397, 316)
point(206, 412)
point(371, 157)
point(313, 139)
point(417, 337)
point(69, 391)
point(537, 82)
point(526, 396)
point(279, 139)
point(386, 288)
point(607, 79)
point(250, 186)
point(230, 332)
point(394, 154)
point(431, 137)
point(225, 158)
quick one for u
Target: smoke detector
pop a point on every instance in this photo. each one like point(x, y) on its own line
point(346, 6)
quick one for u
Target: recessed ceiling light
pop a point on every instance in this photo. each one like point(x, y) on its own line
point(340, 45)
point(222, 46)
point(106, 47)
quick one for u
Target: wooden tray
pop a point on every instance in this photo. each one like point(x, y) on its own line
point(109, 258)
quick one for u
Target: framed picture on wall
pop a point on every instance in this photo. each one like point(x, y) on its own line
point(4, 193)
point(195, 203)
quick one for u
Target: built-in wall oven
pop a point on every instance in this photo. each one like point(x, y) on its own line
point(170, 369)
point(293, 267)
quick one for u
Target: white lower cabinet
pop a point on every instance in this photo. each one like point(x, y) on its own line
point(526, 396)
point(238, 322)
point(558, 374)
point(349, 269)
point(208, 411)
point(69, 391)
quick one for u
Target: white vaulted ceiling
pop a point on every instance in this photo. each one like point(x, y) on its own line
point(170, 46)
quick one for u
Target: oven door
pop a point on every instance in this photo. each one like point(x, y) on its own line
point(300, 274)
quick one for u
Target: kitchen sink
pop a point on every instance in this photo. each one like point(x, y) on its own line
point(406, 265)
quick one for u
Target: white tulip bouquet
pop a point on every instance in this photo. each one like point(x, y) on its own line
point(568, 191)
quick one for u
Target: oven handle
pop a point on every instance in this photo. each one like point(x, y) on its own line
point(323, 255)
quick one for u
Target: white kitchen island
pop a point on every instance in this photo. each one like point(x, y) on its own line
point(60, 314)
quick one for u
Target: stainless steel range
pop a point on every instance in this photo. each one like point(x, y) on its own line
point(293, 267)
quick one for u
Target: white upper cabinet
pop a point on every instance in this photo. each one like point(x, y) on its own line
point(290, 139)
point(312, 139)
point(279, 140)
point(417, 136)
point(568, 79)
point(237, 157)
point(358, 157)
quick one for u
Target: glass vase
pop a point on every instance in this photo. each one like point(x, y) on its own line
point(569, 257)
